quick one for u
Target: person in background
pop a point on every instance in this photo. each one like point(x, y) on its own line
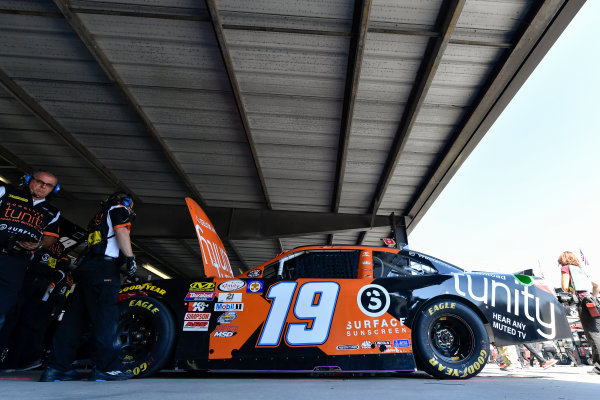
point(575, 280)
point(27, 222)
point(95, 297)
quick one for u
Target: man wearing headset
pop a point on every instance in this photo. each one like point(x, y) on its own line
point(27, 222)
point(95, 297)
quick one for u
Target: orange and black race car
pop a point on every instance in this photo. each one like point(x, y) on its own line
point(332, 308)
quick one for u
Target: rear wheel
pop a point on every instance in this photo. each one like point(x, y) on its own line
point(450, 340)
point(145, 335)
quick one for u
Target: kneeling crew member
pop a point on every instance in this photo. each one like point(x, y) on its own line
point(95, 297)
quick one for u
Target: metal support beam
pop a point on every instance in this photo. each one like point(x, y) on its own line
point(399, 229)
point(235, 89)
point(357, 47)
point(435, 50)
point(33, 106)
point(86, 37)
point(167, 221)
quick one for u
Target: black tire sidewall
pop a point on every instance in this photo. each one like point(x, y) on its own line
point(161, 347)
point(430, 360)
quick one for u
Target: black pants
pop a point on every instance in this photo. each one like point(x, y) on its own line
point(591, 328)
point(12, 272)
point(94, 302)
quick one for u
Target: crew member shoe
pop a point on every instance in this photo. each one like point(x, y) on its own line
point(549, 363)
point(55, 375)
point(101, 376)
point(594, 371)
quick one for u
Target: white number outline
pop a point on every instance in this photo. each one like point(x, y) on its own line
point(298, 334)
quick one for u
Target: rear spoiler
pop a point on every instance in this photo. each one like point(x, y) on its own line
point(214, 256)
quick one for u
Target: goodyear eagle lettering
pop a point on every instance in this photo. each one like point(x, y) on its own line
point(144, 304)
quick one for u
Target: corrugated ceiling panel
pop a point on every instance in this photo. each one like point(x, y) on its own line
point(389, 58)
point(52, 38)
point(408, 14)
point(256, 252)
point(31, 141)
point(167, 44)
point(260, 56)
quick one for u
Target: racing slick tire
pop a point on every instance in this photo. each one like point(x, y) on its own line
point(450, 340)
point(145, 335)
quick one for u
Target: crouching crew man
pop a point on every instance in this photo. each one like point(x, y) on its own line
point(27, 222)
point(95, 296)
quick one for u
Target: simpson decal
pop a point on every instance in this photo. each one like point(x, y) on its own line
point(191, 316)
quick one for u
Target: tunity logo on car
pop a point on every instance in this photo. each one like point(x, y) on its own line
point(373, 300)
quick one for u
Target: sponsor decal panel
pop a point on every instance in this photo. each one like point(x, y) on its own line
point(195, 326)
point(347, 347)
point(200, 296)
point(255, 287)
point(366, 344)
point(202, 287)
point(375, 327)
point(195, 316)
point(255, 273)
point(227, 317)
point(401, 343)
point(231, 286)
point(225, 331)
point(197, 306)
point(230, 297)
point(229, 306)
point(373, 300)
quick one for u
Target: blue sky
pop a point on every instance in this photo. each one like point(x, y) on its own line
point(530, 189)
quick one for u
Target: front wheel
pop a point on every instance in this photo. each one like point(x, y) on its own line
point(450, 340)
point(145, 335)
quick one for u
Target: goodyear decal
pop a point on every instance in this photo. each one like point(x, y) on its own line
point(469, 370)
point(145, 286)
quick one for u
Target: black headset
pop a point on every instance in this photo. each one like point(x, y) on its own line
point(27, 178)
point(120, 198)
